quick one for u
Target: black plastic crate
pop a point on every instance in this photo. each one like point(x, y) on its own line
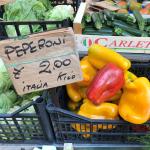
point(43, 24)
point(66, 123)
point(141, 69)
point(21, 127)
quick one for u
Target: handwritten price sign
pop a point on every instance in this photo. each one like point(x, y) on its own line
point(42, 61)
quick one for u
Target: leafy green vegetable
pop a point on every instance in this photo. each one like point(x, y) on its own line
point(7, 100)
point(5, 81)
point(2, 66)
point(34, 10)
point(60, 12)
point(24, 10)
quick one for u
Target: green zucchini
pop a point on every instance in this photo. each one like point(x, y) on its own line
point(98, 33)
point(121, 32)
point(96, 20)
point(103, 29)
point(83, 23)
point(101, 16)
point(125, 17)
point(125, 33)
point(147, 29)
point(125, 24)
point(147, 21)
point(118, 31)
point(88, 17)
point(144, 34)
point(109, 23)
point(127, 28)
point(108, 15)
point(140, 20)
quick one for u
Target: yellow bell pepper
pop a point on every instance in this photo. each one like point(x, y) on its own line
point(107, 111)
point(129, 77)
point(134, 105)
point(73, 106)
point(100, 56)
point(102, 111)
point(82, 92)
point(88, 71)
point(73, 92)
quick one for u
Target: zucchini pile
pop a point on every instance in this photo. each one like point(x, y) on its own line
point(108, 23)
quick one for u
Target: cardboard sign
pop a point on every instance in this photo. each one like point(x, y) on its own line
point(118, 43)
point(105, 5)
point(41, 61)
point(3, 2)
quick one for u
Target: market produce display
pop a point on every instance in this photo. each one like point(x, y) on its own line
point(108, 90)
point(34, 10)
point(108, 23)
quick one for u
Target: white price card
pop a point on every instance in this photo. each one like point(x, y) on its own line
point(68, 146)
point(41, 61)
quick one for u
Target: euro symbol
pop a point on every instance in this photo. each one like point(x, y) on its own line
point(17, 72)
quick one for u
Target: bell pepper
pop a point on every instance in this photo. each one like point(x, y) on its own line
point(104, 111)
point(107, 111)
point(129, 76)
point(99, 56)
point(82, 91)
point(73, 92)
point(73, 106)
point(88, 72)
point(134, 105)
point(108, 81)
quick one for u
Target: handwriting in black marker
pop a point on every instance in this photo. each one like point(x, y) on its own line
point(66, 62)
point(17, 72)
point(34, 86)
point(45, 65)
point(65, 76)
point(57, 63)
point(57, 43)
point(61, 75)
point(9, 50)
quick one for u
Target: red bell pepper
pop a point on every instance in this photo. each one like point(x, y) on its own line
point(106, 83)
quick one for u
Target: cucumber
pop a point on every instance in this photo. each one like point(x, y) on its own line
point(140, 20)
point(127, 28)
point(96, 20)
